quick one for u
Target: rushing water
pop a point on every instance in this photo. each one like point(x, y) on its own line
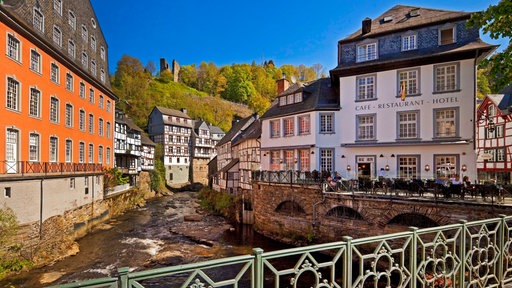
point(145, 238)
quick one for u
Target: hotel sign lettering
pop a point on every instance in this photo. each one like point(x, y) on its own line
point(406, 104)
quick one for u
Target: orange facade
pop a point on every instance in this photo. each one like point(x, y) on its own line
point(49, 114)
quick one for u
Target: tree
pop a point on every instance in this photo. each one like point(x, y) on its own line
point(319, 70)
point(496, 21)
point(150, 67)
point(482, 84)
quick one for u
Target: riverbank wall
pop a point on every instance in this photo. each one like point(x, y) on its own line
point(55, 238)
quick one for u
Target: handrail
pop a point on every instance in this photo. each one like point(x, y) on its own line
point(23, 168)
point(466, 254)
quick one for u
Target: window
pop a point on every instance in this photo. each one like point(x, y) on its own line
point(7, 192)
point(93, 43)
point(38, 19)
point(327, 123)
point(408, 125)
point(275, 160)
point(33, 147)
point(275, 129)
point(102, 75)
point(304, 125)
point(54, 146)
point(34, 103)
point(13, 48)
point(408, 82)
point(108, 155)
point(69, 115)
point(54, 110)
point(100, 127)
point(497, 132)
point(498, 154)
point(91, 123)
point(108, 129)
point(288, 127)
point(85, 34)
point(327, 160)
point(82, 90)
point(81, 152)
point(408, 167)
point(93, 67)
point(491, 110)
point(91, 153)
point(85, 59)
point(446, 122)
point(366, 88)
point(57, 35)
point(71, 183)
point(54, 73)
point(13, 94)
point(81, 120)
point(100, 154)
point(445, 165)
point(366, 127)
point(446, 77)
point(35, 61)
point(282, 101)
point(69, 82)
point(91, 95)
point(409, 42)
point(108, 106)
point(57, 5)
point(289, 161)
point(69, 151)
point(447, 35)
point(304, 161)
point(102, 53)
point(100, 102)
point(366, 52)
point(71, 48)
point(72, 20)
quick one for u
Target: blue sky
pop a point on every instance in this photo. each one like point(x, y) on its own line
point(227, 32)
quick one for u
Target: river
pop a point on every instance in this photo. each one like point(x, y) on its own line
point(152, 236)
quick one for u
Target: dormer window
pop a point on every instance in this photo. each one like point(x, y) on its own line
point(366, 52)
point(447, 35)
point(290, 99)
point(298, 97)
point(409, 42)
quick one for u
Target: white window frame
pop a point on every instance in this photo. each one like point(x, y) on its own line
point(411, 80)
point(91, 95)
point(54, 73)
point(93, 43)
point(81, 120)
point(366, 127)
point(34, 102)
point(81, 152)
point(85, 33)
point(69, 151)
point(446, 77)
point(71, 48)
point(367, 52)
point(100, 127)
point(13, 47)
point(327, 159)
point(69, 115)
point(408, 124)
point(69, 82)
point(85, 59)
point(12, 99)
point(38, 19)
point(288, 127)
point(57, 35)
point(72, 19)
point(366, 87)
point(54, 109)
point(35, 61)
point(450, 121)
point(275, 128)
point(57, 5)
point(327, 123)
point(100, 154)
point(90, 123)
point(107, 160)
point(409, 42)
point(82, 90)
point(90, 153)
point(408, 166)
point(445, 29)
point(34, 145)
point(54, 149)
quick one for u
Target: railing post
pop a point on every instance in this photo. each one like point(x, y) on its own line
point(462, 251)
point(414, 256)
point(347, 271)
point(258, 268)
point(123, 277)
point(501, 246)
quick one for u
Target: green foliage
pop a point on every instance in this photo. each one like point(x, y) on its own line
point(157, 175)
point(219, 202)
point(114, 177)
point(10, 258)
point(496, 21)
point(482, 84)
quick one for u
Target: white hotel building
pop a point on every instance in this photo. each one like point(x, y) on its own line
point(406, 86)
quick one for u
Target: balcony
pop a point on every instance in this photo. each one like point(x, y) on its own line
point(26, 168)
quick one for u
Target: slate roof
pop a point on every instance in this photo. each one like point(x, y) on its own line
point(402, 19)
point(317, 95)
point(132, 125)
point(144, 140)
point(216, 130)
point(252, 132)
point(172, 112)
point(238, 126)
point(230, 165)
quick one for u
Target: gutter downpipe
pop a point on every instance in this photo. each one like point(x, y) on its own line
point(318, 203)
point(41, 210)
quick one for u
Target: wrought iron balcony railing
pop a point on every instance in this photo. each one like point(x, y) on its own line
point(24, 168)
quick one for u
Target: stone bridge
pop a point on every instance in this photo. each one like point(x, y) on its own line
point(297, 213)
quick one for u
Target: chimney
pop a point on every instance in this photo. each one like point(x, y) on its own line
point(367, 26)
point(282, 85)
point(184, 110)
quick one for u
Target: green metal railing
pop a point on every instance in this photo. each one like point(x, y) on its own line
point(467, 254)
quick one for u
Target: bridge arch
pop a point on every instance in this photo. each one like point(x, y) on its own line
point(413, 219)
point(345, 213)
point(290, 208)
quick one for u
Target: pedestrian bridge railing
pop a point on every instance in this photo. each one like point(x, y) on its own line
point(466, 254)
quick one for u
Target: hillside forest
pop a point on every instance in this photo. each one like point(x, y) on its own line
point(214, 94)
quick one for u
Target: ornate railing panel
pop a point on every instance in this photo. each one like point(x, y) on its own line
point(468, 254)
point(25, 168)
